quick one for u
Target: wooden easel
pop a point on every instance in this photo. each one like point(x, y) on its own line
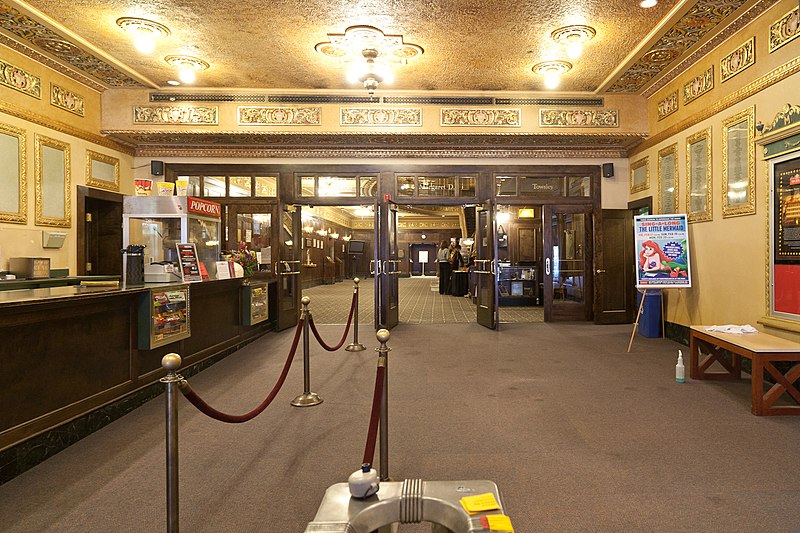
point(639, 313)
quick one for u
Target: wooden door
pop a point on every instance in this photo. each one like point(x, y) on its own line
point(287, 266)
point(486, 268)
point(614, 277)
point(567, 276)
point(387, 266)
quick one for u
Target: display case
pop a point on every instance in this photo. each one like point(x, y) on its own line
point(163, 316)
point(518, 285)
point(161, 222)
point(255, 302)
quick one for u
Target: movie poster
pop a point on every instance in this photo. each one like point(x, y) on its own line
point(662, 251)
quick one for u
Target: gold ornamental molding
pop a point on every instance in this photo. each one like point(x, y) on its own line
point(186, 115)
point(20, 80)
point(738, 60)
point(55, 125)
point(784, 30)
point(330, 214)
point(442, 223)
point(279, 116)
point(771, 78)
point(21, 216)
point(698, 86)
point(381, 116)
point(66, 100)
point(668, 105)
point(456, 116)
point(579, 118)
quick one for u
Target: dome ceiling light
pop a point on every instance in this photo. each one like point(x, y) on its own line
point(552, 71)
point(145, 32)
point(370, 52)
point(573, 38)
point(187, 66)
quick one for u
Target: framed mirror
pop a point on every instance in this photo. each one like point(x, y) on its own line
point(52, 182)
point(698, 172)
point(668, 179)
point(14, 200)
point(640, 176)
point(102, 171)
point(738, 165)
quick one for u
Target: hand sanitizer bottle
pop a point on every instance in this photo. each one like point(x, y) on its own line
point(680, 371)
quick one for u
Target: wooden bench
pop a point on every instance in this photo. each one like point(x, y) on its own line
point(763, 350)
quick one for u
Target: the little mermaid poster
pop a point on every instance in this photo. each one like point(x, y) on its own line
point(662, 251)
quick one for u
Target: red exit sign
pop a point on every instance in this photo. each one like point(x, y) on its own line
point(203, 207)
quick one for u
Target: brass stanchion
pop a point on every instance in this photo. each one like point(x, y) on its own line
point(355, 346)
point(383, 353)
point(308, 398)
point(171, 363)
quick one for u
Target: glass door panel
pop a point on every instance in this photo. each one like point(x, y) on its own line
point(568, 260)
point(485, 268)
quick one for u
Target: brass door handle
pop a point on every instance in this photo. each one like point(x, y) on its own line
point(600, 271)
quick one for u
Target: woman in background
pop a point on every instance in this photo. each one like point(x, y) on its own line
point(443, 260)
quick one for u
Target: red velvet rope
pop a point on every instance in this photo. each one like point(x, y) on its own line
point(346, 329)
point(206, 409)
point(372, 432)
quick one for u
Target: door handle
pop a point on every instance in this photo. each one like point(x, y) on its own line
point(547, 266)
point(600, 271)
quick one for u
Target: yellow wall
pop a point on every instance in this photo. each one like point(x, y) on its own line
point(37, 116)
point(728, 255)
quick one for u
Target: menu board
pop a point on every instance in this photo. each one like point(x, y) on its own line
point(190, 264)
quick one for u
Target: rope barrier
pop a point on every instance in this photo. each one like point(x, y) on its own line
point(206, 409)
point(372, 432)
point(346, 329)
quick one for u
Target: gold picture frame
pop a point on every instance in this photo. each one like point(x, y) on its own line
point(52, 182)
point(738, 164)
point(668, 179)
point(13, 175)
point(640, 176)
point(698, 176)
point(102, 171)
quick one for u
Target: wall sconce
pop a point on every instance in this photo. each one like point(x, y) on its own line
point(347, 238)
point(552, 71)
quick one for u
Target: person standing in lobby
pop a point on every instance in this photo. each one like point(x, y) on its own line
point(443, 259)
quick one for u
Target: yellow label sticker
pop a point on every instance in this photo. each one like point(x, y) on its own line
point(499, 522)
point(479, 503)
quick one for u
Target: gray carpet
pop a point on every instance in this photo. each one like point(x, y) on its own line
point(578, 434)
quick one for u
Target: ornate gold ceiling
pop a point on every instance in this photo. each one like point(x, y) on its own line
point(469, 46)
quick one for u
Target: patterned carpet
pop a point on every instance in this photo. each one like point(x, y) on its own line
point(420, 303)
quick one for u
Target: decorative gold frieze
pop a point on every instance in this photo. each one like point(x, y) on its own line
point(381, 116)
point(279, 116)
point(668, 105)
point(698, 86)
point(579, 118)
point(66, 100)
point(738, 60)
point(789, 115)
point(453, 116)
point(20, 80)
point(193, 115)
point(784, 30)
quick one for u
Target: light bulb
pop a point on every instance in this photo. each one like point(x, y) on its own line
point(574, 49)
point(648, 3)
point(187, 75)
point(551, 79)
point(144, 41)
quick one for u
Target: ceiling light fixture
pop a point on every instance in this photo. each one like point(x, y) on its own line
point(145, 32)
point(371, 52)
point(574, 38)
point(187, 66)
point(648, 3)
point(552, 71)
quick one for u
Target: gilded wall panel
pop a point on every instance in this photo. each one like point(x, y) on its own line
point(738, 60)
point(452, 116)
point(66, 100)
point(784, 30)
point(279, 116)
point(381, 116)
point(698, 86)
point(191, 115)
point(20, 80)
point(668, 105)
point(579, 118)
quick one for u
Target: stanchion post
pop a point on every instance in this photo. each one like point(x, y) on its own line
point(355, 346)
point(308, 398)
point(171, 363)
point(383, 352)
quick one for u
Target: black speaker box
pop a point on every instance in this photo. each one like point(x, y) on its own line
point(608, 170)
point(157, 168)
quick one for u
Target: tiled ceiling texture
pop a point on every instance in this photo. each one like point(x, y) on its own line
point(487, 45)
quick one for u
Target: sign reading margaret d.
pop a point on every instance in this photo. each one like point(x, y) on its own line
point(662, 251)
